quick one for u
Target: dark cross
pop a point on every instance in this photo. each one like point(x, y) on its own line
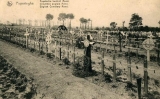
point(120, 41)
point(88, 54)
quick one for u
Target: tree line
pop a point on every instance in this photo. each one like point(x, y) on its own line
point(135, 23)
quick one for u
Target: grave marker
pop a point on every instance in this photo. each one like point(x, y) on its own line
point(148, 44)
point(26, 34)
point(48, 42)
point(87, 52)
point(145, 77)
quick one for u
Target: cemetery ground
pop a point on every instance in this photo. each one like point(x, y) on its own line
point(54, 79)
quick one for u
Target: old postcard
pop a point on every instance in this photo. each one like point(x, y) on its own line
point(79, 49)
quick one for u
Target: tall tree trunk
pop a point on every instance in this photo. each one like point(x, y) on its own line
point(83, 25)
point(63, 22)
point(91, 24)
point(88, 25)
point(49, 24)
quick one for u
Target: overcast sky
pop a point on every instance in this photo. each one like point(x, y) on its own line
point(102, 12)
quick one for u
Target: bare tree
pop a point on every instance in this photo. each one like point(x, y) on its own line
point(20, 21)
point(36, 22)
point(30, 22)
point(88, 22)
point(23, 21)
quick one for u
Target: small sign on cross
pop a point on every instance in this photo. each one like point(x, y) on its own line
point(148, 44)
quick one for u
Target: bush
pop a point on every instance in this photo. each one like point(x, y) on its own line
point(42, 52)
point(32, 50)
point(49, 55)
point(79, 71)
point(66, 61)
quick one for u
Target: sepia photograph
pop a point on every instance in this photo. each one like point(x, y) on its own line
point(79, 49)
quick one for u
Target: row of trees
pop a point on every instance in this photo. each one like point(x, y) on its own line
point(84, 22)
point(134, 24)
point(140, 28)
point(30, 22)
point(62, 17)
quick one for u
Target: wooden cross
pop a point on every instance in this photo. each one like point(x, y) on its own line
point(88, 43)
point(48, 41)
point(148, 44)
point(26, 34)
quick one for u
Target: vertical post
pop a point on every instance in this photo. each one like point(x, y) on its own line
point(129, 64)
point(19, 39)
point(34, 44)
point(39, 45)
point(42, 41)
point(100, 45)
point(145, 77)
point(60, 50)
point(120, 42)
point(114, 45)
point(138, 42)
point(55, 49)
point(46, 47)
point(2, 32)
point(10, 35)
point(23, 40)
point(102, 63)
point(26, 41)
point(73, 49)
point(137, 53)
point(139, 87)
point(72, 42)
point(148, 55)
point(49, 51)
point(65, 40)
point(114, 68)
point(68, 51)
point(114, 62)
point(73, 54)
point(29, 42)
point(126, 38)
point(107, 37)
point(158, 54)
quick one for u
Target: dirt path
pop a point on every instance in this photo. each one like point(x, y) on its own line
point(54, 81)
